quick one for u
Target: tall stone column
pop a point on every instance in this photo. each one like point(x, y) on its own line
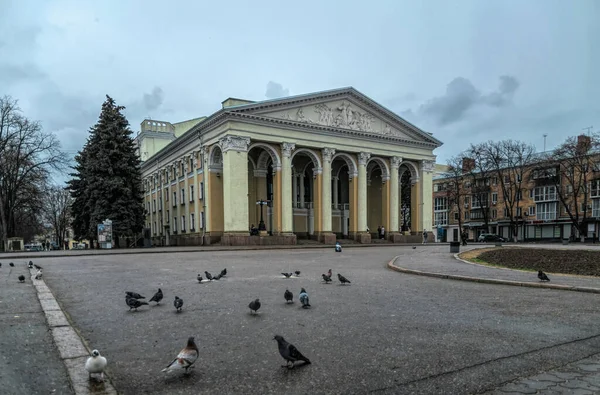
point(427, 194)
point(364, 236)
point(394, 199)
point(287, 213)
point(196, 157)
point(335, 185)
point(235, 189)
point(327, 236)
point(302, 189)
point(186, 197)
point(206, 195)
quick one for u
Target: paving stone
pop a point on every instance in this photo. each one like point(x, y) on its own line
point(45, 295)
point(567, 375)
point(518, 387)
point(538, 385)
point(579, 384)
point(546, 377)
point(592, 379)
point(588, 367)
point(49, 305)
point(56, 318)
point(578, 391)
point(68, 343)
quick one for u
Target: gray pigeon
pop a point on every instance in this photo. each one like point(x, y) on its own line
point(199, 278)
point(38, 275)
point(178, 303)
point(289, 352)
point(289, 297)
point(343, 279)
point(157, 296)
point(22, 278)
point(254, 306)
point(326, 278)
point(304, 299)
point(133, 303)
point(30, 265)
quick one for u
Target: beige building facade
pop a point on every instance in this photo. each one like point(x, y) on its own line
point(324, 166)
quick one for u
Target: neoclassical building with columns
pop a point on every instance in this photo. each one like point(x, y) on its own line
point(325, 166)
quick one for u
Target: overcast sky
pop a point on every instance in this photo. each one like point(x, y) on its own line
point(467, 71)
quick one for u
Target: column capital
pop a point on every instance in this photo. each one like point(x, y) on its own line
point(260, 173)
point(335, 178)
point(287, 148)
point(317, 171)
point(427, 165)
point(363, 157)
point(234, 143)
point(327, 154)
point(396, 161)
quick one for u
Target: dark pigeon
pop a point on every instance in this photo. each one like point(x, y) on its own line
point(289, 352)
point(304, 299)
point(22, 278)
point(254, 306)
point(30, 265)
point(326, 278)
point(343, 279)
point(289, 297)
point(223, 273)
point(11, 264)
point(38, 267)
point(297, 273)
point(135, 295)
point(178, 303)
point(217, 277)
point(287, 275)
point(199, 278)
point(157, 296)
point(542, 276)
point(209, 276)
point(134, 303)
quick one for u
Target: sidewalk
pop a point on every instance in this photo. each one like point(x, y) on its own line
point(30, 362)
point(441, 263)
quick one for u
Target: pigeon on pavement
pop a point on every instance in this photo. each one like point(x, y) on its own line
point(289, 297)
point(343, 279)
point(199, 278)
point(30, 265)
point(297, 273)
point(304, 299)
point(223, 273)
point(96, 364)
point(289, 352)
point(11, 264)
point(178, 303)
point(22, 278)
point(326, 278)
point(0, 264)
point(329, 273)
point(217, 277)
point(186, 357)
point(38, 267)
point(157, 296)
point(338, 247)
point(135, 295)
point(542, 276)
point(254, 306)
point(414, 247)
point(209, 276)
point(287, 275)
point(134, 303)
point(38, 275)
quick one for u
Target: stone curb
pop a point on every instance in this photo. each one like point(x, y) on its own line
point(484, 280)
point(175, 249)
point(71, 347)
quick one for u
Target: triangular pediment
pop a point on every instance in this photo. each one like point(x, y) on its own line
point(344, 109)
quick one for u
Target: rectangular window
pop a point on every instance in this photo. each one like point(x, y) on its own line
point(546, 211)
point(467, 202)
point(174, 224)
point(183, 223)
point(519, 212)
point(201, 191)
point(466, 215)
point(494, 213)
point(174, 198)
point(544, 194)
point(153, 205)
point(456, 216)
point(594, 188)
point(494, 197)
point(202, 220)
point(441, 218)
point(148, 208)
point(182, 196)
point(596, 208)
point(168, 216)
point(440, 204)
point(192, 221)
point(531, 211)
point(182, 169)
point(154, 231)
point(191, 193)
point(191, 163)
point(160, 203)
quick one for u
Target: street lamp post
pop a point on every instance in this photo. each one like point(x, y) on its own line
point(261, 224)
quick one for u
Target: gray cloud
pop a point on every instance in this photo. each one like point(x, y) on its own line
point(461, 96)
point(155, 99)
point(276, 90)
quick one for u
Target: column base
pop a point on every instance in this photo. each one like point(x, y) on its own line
point(235, 239)
point(327, 238)
point(363, 237)
point(396, 237)
point(244, 239)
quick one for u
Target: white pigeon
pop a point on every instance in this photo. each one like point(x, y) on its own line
point(38, 275)
point(96, 364)
point(186, 357)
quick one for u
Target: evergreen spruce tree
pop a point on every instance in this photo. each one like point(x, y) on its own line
point(107, 183)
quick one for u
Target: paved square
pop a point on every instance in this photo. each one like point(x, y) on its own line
point(387, 331)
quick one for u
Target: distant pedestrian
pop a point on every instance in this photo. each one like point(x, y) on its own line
point(424, 236)
point(382, 233)
point(464, 237)
point(379, 232)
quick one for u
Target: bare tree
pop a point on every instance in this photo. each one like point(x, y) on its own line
point(510, 160)
point(57, 212)
point(574, 162)
point(479, 181)
point(27, 155)
point(455, 192)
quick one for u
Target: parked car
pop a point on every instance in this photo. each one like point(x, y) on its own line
point(54, 246)
point(33, 247)
point(486, 237)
